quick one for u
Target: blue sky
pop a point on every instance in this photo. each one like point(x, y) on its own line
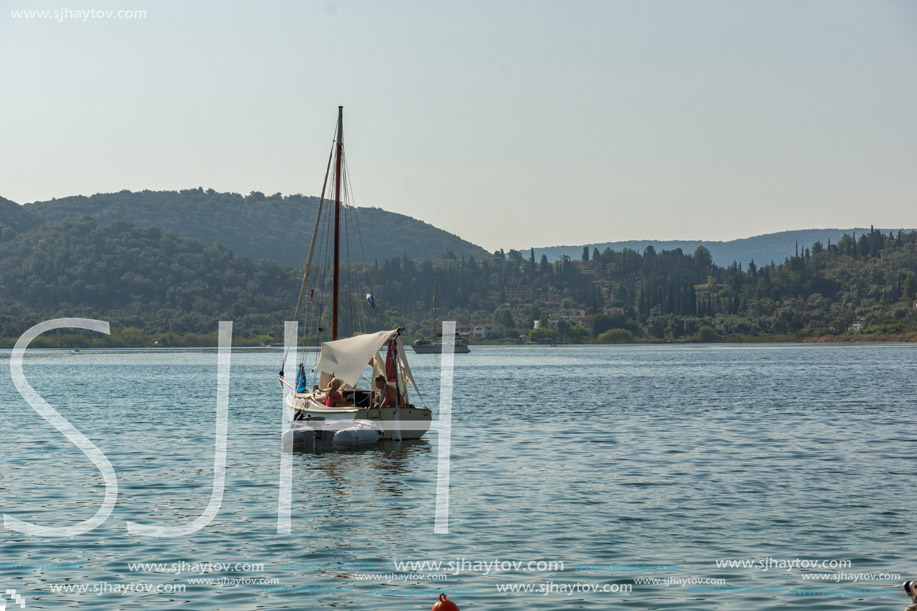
point(510, 123)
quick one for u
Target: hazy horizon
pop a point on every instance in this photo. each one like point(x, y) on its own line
point(509, 124)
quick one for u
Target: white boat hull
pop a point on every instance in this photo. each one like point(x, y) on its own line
point(411, 422)
point(303, 402)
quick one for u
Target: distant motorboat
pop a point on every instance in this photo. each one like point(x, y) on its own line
point(425, 346)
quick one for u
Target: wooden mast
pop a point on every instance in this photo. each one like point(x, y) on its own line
point(339, 152)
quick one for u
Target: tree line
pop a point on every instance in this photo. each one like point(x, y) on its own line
point(156, 286)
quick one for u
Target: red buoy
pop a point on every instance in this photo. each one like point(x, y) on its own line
point(444, 605)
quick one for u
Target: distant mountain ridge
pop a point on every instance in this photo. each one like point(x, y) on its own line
point(278, 228)
point(762, 249)
point(272, 227)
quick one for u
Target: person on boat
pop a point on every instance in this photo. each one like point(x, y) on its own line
point(388, 392)
point(333, 396)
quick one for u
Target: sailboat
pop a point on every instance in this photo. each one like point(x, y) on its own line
point(355, 419)
point(425, 346)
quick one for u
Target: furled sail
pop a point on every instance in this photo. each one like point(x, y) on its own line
point(403, 364)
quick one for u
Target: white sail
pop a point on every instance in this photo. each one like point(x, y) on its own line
point(347, 358)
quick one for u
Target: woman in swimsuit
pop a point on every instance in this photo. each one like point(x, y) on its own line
point(333, 396)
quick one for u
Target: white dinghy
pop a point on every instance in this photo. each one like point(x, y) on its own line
point(323, 435)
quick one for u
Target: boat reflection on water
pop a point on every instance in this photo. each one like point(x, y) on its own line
point(336, 486)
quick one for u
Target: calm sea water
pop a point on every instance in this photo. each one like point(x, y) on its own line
point(624, 463)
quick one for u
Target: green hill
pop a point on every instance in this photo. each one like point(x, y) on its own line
point(79, 257)
point(136, 277)
point(272, 227)
point(15, 219)
point(153, 285)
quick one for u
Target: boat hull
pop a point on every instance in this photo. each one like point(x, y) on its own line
point(303, 403)
point(438, 348)
point(411, 422)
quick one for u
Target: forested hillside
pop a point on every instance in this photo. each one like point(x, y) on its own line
point(156, 286)
point(137, 277)
point(15, 219)
point(274, 227)
point(850, 288)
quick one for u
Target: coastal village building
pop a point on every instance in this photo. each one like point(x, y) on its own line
point(576, 316)
point(482, 331)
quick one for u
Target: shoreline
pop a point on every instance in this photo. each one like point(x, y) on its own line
point(74, 342)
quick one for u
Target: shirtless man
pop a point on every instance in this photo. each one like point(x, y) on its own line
point(389, 395)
